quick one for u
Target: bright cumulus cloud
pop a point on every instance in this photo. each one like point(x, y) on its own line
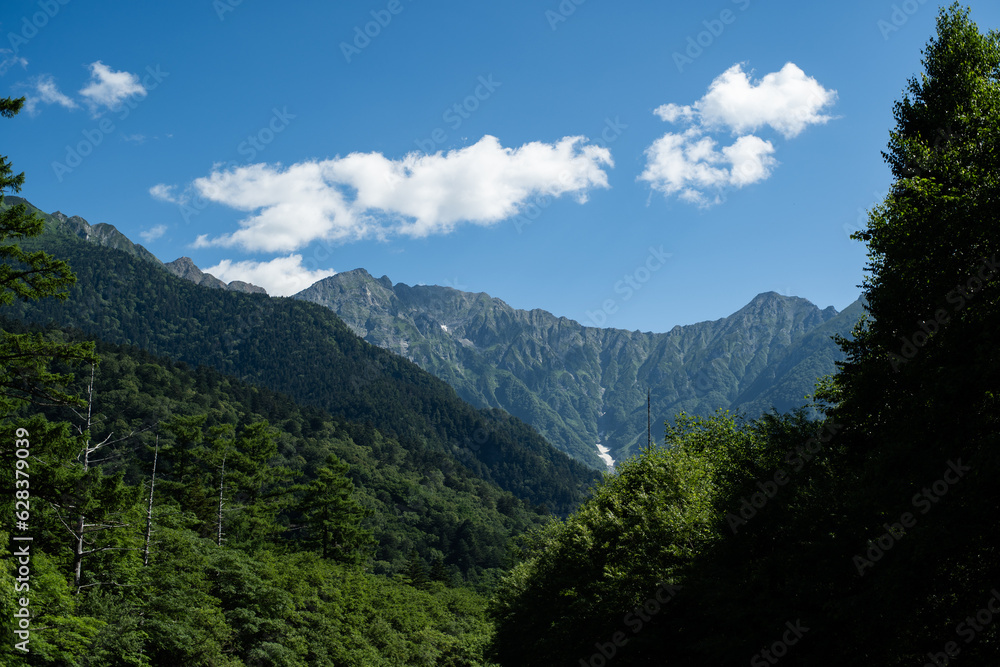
point(692, 167)
point(282, 276)
point(366, 195)
point(108, 88)
point(688, 165)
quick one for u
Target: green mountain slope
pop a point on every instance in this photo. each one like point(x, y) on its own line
point(416, 500)
point(305, 351)
point(580, 386)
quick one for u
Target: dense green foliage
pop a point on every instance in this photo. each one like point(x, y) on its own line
point(290, 584)
point(663, 553)
point(409, 500)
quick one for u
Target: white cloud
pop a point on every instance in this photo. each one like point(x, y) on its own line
point(282, 276)
point(690, 166)
point(47, 92)
point(365, 195)
point(671, 113)
point(108, 88)
point(751, 160)
point(165, 192)
point(787, 101)
point(153, 233)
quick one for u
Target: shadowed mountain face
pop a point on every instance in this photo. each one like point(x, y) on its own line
point(580, 386)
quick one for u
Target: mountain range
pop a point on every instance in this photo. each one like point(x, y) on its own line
point(125, 296)
point(584, 386)
point(584, 389)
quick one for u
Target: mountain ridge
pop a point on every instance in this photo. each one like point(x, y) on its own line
point(107, 235)
point(306, 352)
point(578, 385)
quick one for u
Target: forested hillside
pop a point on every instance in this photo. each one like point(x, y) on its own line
point(305, 351)
point(227, 525)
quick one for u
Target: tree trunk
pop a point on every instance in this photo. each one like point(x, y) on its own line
point(78, 551)
point(149, 510)
point(222, 480)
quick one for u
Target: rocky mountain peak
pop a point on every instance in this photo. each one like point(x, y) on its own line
point(184, 267)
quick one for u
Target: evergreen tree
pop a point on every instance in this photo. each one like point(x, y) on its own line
point(332, 516)
point(932, 292)
point(25, 359)
point(919, 389)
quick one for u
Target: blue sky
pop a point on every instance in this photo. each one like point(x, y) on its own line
point(634, 164)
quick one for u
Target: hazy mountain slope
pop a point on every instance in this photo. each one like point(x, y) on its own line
point(582, 385)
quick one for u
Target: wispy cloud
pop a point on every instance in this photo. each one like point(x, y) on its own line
point(45, 91)
point(165, 192)
point(282, 276)
point(8, 59)
point(108, 88)
point(366, 195)
point(690, 166)
point(153, 233)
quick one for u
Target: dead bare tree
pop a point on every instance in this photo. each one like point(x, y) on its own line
point(149, 509)
point(82, 531)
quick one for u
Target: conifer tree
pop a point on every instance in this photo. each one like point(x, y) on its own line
point(332, 516)
point(25, 359)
